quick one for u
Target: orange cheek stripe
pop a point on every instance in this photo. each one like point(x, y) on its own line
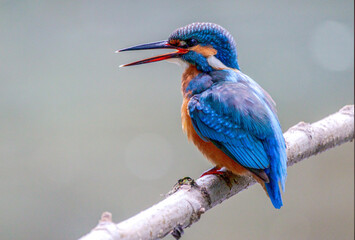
point(205, 51)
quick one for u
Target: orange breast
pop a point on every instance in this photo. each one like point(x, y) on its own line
point(208, 149)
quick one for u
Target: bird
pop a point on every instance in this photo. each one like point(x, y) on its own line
point(225, 113)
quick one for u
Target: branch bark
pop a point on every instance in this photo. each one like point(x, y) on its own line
point(189, 199)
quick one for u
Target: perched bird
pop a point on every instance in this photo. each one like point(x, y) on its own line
point(225, 113)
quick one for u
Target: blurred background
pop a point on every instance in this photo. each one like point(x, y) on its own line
point(79, 136)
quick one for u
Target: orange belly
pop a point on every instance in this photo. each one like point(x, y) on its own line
point(208, 149)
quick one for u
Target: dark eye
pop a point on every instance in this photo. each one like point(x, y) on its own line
point(191, 42)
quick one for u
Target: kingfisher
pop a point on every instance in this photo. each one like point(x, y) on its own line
point(225, 113)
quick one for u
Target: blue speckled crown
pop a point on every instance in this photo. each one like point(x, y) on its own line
point(211, 34)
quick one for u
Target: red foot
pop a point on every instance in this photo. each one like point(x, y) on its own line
point(215, 170)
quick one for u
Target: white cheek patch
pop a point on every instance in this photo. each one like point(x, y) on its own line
point(215, 63)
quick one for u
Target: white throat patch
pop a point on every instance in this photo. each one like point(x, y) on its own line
point(178, 61)
point(214, 62)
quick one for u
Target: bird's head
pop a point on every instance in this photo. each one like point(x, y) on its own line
point(208, 46)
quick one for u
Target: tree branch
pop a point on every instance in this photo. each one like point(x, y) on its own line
point(189, 199)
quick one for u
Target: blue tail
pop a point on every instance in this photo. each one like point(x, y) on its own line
point(274, 192)
point(277, 171)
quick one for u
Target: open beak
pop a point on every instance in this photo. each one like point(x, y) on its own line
point(155, 45)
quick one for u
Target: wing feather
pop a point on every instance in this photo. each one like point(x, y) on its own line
point(233, 118)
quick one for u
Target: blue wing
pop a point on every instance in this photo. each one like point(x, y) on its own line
point(239, 117)
point(232, 117)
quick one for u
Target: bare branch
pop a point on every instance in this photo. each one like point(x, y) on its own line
point(189, 199)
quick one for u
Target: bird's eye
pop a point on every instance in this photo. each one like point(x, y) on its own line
point(191, 42)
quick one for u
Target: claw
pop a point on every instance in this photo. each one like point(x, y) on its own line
point(215, 171)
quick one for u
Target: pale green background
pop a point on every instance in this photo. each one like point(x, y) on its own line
point(79, 136)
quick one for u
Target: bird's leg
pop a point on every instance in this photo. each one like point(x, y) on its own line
point(215, 170)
